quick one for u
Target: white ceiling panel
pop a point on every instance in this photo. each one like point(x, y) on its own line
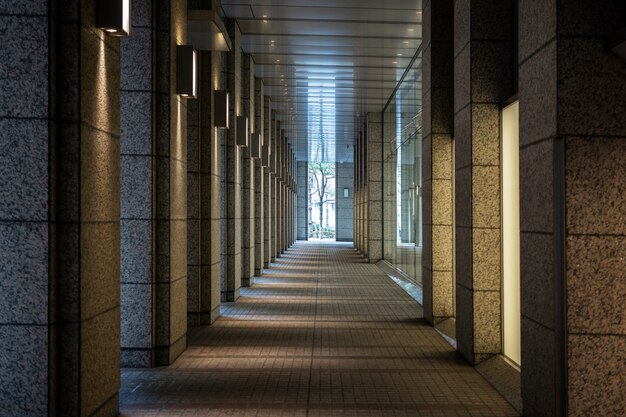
point(328, 62)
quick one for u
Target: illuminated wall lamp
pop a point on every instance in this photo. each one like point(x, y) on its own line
point(113, 16)
point(243, 131)
point(255, 146)
point(221, 110)
point(186, 79)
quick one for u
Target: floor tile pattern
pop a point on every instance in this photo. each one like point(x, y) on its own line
point(321, 334)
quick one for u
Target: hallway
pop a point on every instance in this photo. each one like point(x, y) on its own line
point(322, 333)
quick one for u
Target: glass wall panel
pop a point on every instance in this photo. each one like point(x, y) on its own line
point(402, 176)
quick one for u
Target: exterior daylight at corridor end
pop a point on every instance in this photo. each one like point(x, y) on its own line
point(330, 208)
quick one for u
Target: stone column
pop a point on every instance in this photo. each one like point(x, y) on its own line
point(259, 181)
point(345, 205)
point(572, 209)
point(303, 193)
point(358, 221)
point(59, 212)
point(268, 185)
point(233, 164)
point(483, 73)
point(437, 169)
point(248, 178)
point(275, 186)
point(390, 178)
point(374, 187)
point(203, 191)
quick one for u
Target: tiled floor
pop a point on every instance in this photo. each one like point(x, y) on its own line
point(320, 334)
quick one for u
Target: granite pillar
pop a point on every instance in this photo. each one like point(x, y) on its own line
point(233, 168)
point(203, 237)
point(154, 190)
point(344, 204)
point(259, 181)
point(302, 204)
point(138, 174)
point(438, 169)
point(248, 178)
point(374, 187)
point(483, 72)
point(59, 212)
point(572, 208)
point(268, 184)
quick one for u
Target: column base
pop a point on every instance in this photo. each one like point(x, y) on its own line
point(208, 318)
point(230, 296)
point(137, 358)
point(166, 355)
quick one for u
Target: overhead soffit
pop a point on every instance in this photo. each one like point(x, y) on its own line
point(351, 52)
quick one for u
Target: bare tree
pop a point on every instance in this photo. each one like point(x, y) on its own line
point(322, 173)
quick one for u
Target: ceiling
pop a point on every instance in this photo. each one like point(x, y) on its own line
point(324, 62)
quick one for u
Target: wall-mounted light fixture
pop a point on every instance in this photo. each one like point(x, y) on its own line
point(617, 43)
point(265, 156)
point(220, 109)
point(255, 146)
point(186, 63)
point(243, 131)
point(346, 192)
point(206, 31)
point(113, 17)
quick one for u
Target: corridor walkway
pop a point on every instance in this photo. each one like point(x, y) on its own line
point(321, 334)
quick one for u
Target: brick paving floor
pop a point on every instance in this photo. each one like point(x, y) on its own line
point(321, 334)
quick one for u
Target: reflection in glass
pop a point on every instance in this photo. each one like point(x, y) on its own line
point(402, 176)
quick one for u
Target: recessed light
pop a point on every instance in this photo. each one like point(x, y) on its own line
point(278, 60)
point(398, 54)
point(394, 62)
point(411, 30)
point(405, 42)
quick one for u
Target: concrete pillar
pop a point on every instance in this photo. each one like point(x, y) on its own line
point(302, 205)
point(483, 80)
point(345, 205)
point(438, 169)
point(233, 163)
point(572, 208)
point(259, 181)
point(59, 212)
point(248, 178)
